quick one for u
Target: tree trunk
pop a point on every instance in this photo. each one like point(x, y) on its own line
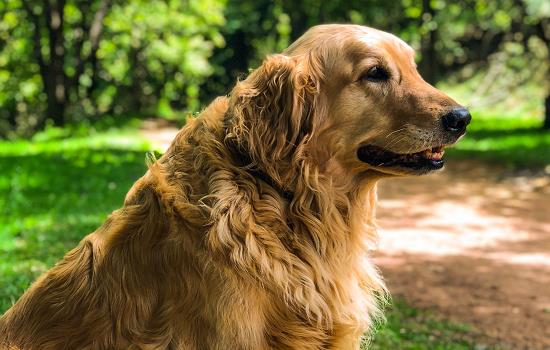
point(55, 91)
point(543, 32)
point(137, 78)
point(428, 65)
point(56, 104)
point(95, 36)
point(298, 20)
point(37, 51)
point(546, 124)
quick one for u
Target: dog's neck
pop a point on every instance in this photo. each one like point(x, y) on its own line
point(242, 159)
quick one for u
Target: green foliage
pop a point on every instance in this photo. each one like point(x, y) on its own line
point(21, 87)
point(159, 50)
point(162, 57)
point(253, 30)
point(150, 55)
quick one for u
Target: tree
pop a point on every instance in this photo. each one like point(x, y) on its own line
point(68, 60)
point(156, 54)
point(48, 20)
point(543, 32)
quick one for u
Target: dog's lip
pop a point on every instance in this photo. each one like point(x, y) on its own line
point(427, 159)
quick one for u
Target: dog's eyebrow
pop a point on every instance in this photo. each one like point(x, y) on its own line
point(367, 61)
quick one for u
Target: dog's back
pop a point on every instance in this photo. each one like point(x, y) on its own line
point(105, 293)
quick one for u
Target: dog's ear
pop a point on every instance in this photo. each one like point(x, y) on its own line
point(271, 113)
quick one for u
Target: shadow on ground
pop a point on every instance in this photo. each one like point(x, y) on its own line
point(474, 246)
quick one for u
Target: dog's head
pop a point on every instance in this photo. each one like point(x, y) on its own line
point(348, 98)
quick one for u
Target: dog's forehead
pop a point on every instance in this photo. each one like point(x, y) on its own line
point(347, 37)
point(374, 39)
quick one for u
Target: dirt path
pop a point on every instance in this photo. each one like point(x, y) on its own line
point(159, 132)
point(473, 248)
point(469, 243)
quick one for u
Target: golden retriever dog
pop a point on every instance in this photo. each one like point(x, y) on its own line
point(253, 230)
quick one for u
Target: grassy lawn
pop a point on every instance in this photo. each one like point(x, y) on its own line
point(54, 190)
point(407, 328)
point(516, 142)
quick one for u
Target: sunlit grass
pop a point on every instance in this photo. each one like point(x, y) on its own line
point(55, 191)
point(506, 130)
point(517, 142)
point(115, 139)
point(407, 328)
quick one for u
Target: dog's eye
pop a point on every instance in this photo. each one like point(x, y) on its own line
point(376, 74)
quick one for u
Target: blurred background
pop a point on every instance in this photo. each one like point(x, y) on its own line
point(88, 86)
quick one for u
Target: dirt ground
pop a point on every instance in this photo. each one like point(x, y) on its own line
point(470, 243)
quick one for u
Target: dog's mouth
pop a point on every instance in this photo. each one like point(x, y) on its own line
point(423, 161)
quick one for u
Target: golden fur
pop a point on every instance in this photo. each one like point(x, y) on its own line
point(252, 231)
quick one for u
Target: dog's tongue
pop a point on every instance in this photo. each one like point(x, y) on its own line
point(435, 153)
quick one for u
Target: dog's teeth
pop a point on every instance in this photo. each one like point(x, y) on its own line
point(434, 153)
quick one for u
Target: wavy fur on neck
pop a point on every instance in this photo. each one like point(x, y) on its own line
point(205, 255)
point(328, 225)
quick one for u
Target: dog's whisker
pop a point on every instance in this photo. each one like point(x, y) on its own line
point(396, 131)
point(395, 140)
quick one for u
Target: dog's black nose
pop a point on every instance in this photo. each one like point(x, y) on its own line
point(456, 120)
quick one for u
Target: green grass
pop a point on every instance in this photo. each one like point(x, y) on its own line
point(54, 192)
point(506, 131)
point(407, 328)
point(515, 142)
